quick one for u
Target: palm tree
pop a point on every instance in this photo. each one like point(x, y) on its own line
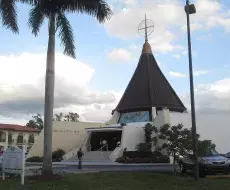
point(8, 15)
point(55, 12)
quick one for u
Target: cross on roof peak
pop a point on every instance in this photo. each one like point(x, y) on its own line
point(147, 25)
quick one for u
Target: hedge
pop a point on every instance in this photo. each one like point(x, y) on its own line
point(143, 157)
point(56, 157)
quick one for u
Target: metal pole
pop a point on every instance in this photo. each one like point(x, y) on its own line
point(193, 115)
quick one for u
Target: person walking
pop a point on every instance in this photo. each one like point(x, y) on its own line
point(80, 155)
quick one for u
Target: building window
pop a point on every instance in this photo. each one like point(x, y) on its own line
point(10, 138)
point(139, 116)
point(31, 139)
point(20, 138)
point(2, 136)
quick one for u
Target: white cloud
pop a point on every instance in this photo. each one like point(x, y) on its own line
point(123, 25)
point(22, 85)
point(177, 56)
point(130, 2)
point(176, 74)
point(196, 73)
point(212, 97)
point(200, 72)
point(120, 54)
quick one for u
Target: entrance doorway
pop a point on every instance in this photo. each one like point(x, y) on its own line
point(112, 138)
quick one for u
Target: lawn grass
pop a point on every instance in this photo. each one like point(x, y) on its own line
point(121, 181)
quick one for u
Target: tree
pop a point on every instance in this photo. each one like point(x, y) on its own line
point(72, 117)
point(205, 146)
point(58, 117)
point(176, 141)
point(55, 12)
point(8, 15)
point(36, 122)
point(147, 145)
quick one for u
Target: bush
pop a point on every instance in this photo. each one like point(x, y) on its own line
point(34, 159)
point(137, 154)
point(57, 155)
point(141, 157)
point(144, 147)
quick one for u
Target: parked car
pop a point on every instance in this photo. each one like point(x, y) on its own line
point(210, 163)
point(227, 155)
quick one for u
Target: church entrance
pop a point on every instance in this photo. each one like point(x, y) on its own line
point(111, 137)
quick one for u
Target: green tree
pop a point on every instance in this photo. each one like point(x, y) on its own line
point(176, 141)
point(147, 145)
point(58, 117)
point(205, 146)
point(8, 15)
point(73, 117)
point(55, 11)
point(36, 122)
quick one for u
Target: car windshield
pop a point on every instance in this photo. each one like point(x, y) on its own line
point(211, 153)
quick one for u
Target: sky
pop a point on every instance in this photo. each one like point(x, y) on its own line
point(107, 55)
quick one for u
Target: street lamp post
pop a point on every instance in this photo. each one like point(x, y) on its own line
point(191, 9)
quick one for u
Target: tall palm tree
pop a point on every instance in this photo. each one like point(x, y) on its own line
point(8, 15)
point(55, 12)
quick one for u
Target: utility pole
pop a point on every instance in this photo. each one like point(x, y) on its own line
point(191, 9)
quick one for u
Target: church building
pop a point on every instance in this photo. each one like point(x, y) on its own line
point(148, 98)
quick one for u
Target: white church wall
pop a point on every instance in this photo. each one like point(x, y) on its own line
point(132, 135)
point(162, 118)
point(66, 135)
point(114, 119)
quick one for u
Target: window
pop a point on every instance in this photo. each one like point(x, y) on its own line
point(2, 137)
point(139, 116)
point(10, 138)
point(20, 138)
point(31, 138)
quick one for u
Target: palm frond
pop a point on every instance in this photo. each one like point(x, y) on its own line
point(65, 34)
point(103, 12)
point(36, 18)
point(96, 8)
point(9, 15)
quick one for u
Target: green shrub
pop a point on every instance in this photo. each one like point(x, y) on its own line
point(137, 154)
point(34, 159)
point(57, 155)
point(149, 157)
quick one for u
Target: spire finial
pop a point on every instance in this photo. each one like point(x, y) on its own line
point(146, 36)
point(146, 25)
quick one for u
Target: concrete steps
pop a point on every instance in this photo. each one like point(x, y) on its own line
point(93, 156)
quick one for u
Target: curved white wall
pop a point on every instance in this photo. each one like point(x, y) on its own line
point(66, 135)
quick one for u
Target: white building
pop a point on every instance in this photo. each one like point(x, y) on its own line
point(148, 98)
point(17, 135)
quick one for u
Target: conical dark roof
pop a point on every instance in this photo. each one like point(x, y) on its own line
point(148, 87)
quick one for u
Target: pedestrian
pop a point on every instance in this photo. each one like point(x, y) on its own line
point(104, 142)
point(80, 155)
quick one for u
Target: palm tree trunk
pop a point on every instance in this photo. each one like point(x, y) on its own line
point(49, 99)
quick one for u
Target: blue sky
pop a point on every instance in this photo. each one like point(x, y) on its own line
point(93, 43)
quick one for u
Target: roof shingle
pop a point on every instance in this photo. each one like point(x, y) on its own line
point(148, 87)
point(13, 127)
